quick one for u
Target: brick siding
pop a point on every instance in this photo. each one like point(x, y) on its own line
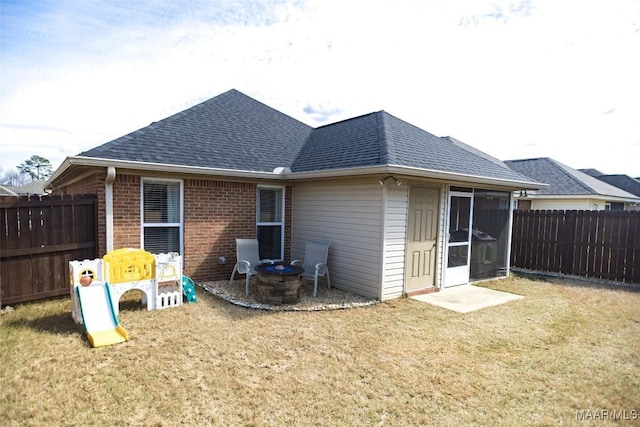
point(93, 184)
point(126, 211)
point(215, 214)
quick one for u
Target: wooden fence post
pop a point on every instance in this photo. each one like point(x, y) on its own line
point(567, 237)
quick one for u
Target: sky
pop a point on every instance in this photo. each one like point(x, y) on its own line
point(516, 79)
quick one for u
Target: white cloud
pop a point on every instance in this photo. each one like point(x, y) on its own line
point(515, 79)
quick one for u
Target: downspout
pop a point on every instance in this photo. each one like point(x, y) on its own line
point(108, 200)
point(383, 213)
point(510, 232)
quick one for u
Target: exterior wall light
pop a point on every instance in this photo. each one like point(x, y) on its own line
point(383, 180)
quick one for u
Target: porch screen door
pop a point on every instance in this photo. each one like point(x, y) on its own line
point(459, 239)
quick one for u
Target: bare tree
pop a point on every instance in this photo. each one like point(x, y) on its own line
point(36, 167)
point(12, 177)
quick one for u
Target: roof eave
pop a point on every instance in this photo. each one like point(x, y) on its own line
point(156, 167)
point(66, 163)
point(279, 173)
point(417, 172)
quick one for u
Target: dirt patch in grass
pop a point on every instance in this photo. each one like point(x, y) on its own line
point(535, 361)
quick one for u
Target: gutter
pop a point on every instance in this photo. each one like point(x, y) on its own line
point(284, 173)
point(603, 197)
point(157, 167)
point(417, 172)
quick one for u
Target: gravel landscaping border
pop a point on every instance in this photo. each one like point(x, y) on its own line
point(327, 299)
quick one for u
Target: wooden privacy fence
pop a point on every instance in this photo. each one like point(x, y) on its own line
point(595, 244)
point(39, 236)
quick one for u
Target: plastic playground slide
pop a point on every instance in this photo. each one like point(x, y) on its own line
point(99, 319)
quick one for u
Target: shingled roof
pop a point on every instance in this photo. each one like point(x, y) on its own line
point(564, 180)
point(33, 188)
point(624, 182)
point(382, 139)
point(235, 132)
point(230, 131)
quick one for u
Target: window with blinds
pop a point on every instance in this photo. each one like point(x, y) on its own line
point(270, 223)
point(161, 216)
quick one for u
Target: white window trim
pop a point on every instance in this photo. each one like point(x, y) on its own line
point(281, 223)
point(180, 224)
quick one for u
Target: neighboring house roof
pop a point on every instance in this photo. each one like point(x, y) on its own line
point(233, 134)
point(33, 188)
point(5, 190)
point(593, 172)
point(566, 181)
point(624, 182)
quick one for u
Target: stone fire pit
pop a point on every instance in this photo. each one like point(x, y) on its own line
point(278, 284)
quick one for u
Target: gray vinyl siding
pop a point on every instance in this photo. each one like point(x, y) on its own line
point(348, 214)
point(393, 285)
point(395, 237)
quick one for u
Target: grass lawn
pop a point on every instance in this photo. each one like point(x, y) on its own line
point(535, 361)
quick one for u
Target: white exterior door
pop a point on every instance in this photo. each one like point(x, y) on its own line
point(422, 233)
point(459, 238)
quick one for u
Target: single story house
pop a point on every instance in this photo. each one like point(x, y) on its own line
point(405, 211)
point(568, 189)
point(6, 190)
point(34, 188)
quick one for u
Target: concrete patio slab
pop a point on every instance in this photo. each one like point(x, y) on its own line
point(467, 298)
